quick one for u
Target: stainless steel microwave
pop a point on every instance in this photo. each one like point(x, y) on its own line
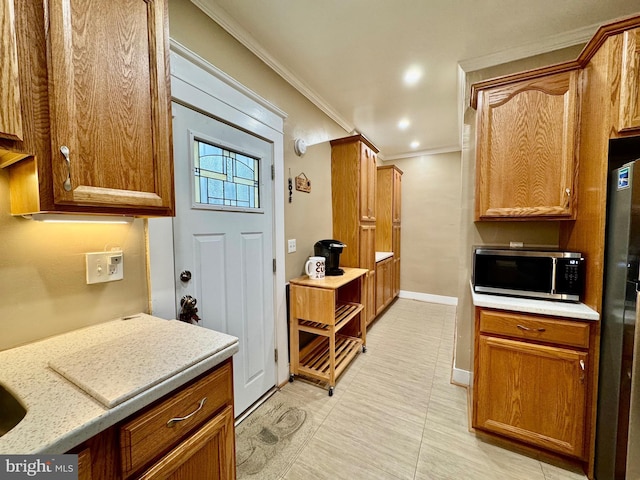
point(547, 275)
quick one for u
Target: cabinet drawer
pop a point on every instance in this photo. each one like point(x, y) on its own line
point(529, 327)
point(315, 304)
point(149, 435)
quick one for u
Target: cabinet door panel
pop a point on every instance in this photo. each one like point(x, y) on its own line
point(371, 296)
point(10, 106)
point(84, 464)
point(397, 196)
point(367, 247)
point(630, 81)
point(526, 146)
point(110, 103)
point(396, 236)
point(387, 293)
point(367, 184)
point(396, 277)
point(379, 287)
point(533, 393)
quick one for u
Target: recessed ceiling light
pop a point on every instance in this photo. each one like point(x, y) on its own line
point(412, 75)
point(415, 144)
point(404, 124)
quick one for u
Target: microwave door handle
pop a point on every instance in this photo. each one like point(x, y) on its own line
point(554, 269)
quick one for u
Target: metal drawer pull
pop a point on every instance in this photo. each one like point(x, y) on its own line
point(527, 329)
point(175, 420)
point(582, 365)
point(64, 150)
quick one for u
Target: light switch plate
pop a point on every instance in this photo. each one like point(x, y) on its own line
point(104, 266)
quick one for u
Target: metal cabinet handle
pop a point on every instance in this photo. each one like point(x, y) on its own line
point(65, 152)
point(567, 201)
point(175, 420)
point(582, 367)
point(527, 329)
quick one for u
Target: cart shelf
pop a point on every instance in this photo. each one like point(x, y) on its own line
point(316, 361)
point(345, 312)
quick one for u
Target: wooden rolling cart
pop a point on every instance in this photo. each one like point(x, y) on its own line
point(332, 310)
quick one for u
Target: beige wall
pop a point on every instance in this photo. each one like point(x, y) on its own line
point(42, 275)
point(430, 223)
point(491, 233)
point(308, 217)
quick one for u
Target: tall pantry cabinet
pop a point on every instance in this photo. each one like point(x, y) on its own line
point(353, 198)
point(388, 219)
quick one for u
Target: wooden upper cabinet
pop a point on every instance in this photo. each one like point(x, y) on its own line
point(629, 113)
point(110, 104)
point(10, 106)
point(368, 183)
point(388, 208)
point(526, 148)
point(353, 199)
point(397, 195)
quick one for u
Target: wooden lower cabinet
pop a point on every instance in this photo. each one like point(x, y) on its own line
point(384, 284)
point(396, 277)
point(207, 454)
point(370, 296)
point(84, 464)
point(531, 380)
point(532, 393)
point(187, 434)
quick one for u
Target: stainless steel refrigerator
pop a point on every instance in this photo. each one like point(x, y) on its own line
point(618, 422)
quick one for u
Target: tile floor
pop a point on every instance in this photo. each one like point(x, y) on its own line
point(395, 414)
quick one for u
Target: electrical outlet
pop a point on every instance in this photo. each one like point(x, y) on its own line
point(291, 247)
point(104, 266)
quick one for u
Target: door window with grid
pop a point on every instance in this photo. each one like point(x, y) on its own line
point(224, 178)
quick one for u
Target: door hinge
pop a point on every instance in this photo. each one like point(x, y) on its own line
point(274, 265)
point(275, 354)
point(273, 172)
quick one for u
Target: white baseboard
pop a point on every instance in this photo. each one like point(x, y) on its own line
point(461, 377)
point(427, 297)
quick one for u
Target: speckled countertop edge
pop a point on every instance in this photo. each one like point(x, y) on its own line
point(383, 256)
point(60, 415)
point(541, 307)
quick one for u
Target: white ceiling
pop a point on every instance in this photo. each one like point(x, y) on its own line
point(349, 56)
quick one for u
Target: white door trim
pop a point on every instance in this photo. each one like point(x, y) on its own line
point(197, 83)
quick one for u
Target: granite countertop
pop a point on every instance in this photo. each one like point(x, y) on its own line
point(541, 307)
point(111, 370)
point(383, 255)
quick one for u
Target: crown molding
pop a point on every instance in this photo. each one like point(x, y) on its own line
point(221, 17)
point(422, 153)
point(545, 45)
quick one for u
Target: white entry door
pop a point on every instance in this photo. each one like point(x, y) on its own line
point(223, 236)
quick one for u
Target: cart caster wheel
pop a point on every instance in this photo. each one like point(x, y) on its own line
point(331, 391)
point(291, 378)
point(364, 349)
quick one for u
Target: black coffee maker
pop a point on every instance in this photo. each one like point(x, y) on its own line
point(330, 250)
